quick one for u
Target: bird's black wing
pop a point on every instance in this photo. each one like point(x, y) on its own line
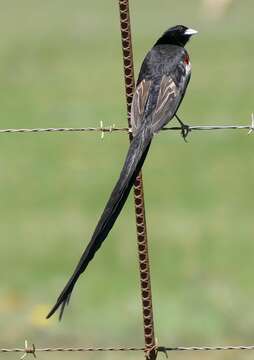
point(166, 72)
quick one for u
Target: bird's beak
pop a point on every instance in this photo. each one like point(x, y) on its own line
point(190, 32)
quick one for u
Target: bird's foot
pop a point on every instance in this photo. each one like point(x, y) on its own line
point(185, 129)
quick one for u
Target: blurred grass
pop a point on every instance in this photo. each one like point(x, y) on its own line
point(60, 65)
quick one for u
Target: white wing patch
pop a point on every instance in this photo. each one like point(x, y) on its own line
point(167, 90)
point(167, 93)
point(138, 104)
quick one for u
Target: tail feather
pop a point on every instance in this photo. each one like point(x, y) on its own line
point(133, 163)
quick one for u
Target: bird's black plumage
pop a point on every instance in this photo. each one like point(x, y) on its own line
point(161, 85)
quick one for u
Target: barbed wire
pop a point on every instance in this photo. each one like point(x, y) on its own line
point(164, 349)
point(113, 128)
point(101, 129)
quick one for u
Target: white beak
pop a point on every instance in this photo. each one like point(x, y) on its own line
point(190, 32)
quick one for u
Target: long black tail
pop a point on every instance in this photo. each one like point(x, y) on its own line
point(133, 163)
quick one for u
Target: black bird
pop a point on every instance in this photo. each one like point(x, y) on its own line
point(161, 85)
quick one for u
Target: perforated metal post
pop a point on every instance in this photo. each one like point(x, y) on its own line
point(145, 282)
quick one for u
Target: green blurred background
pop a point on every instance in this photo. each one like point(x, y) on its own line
point(60, 65)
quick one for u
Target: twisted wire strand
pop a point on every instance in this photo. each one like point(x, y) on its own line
point(65, 129)
point(68, 349)
point(110, 129)
point(206, 348)
point(33, 350)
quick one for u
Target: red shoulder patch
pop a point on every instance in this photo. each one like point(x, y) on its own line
point(186, 59)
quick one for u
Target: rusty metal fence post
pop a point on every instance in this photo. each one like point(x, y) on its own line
point(143, 255)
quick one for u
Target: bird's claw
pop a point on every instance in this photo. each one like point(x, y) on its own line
point(185, 129)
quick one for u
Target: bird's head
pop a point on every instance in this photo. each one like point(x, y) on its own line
point(177, 35)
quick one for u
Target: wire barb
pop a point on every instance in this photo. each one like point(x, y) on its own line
point(102, 132)
point(252, 124)
point(28, 350)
